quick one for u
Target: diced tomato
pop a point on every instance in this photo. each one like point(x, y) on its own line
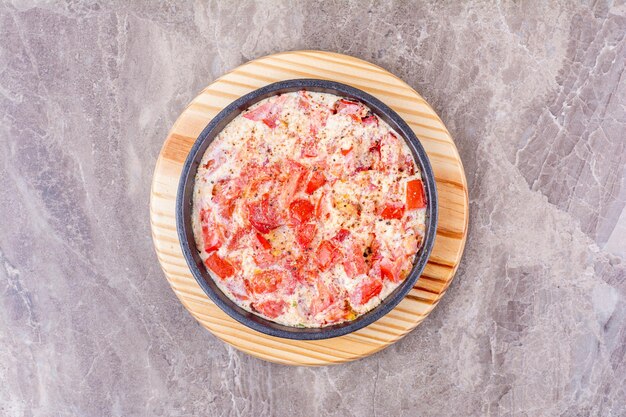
point(292, 166)
point(305, 234)
point(296, 176)
point(345, 106)
point(409, 164)
point(316, 181)
point(235, 239)
point(254, 171)
point(211, 233)
point(269, 112)
point(392, 211)
point(389, 151)
point(354, 263)
point(263, 259)
point(306, 275)
point(370, 119)
point(344, 152)
point(237, 288)
point(375, 148)
point(266, 281)
point(390, 270)
point(259, 177)
point(225, 194)
point(374, 272)
point(415, 197)
point(221, 267)
point(301, 211)
point(325, 298)
point(212, 239)
point(263, 215)
point(289, 283)
point(350, 269)
point(341, 235)
point(339, 312)
point(209, 164)
point(326, 255)
point(270, 308)
point(318, 118)
point(264, 242)
point(375, 249)
point(366, 290)
point(290, 262)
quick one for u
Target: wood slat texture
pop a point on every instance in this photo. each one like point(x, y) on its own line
point(449, 175)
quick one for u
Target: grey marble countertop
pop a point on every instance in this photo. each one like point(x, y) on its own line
point(534, 95)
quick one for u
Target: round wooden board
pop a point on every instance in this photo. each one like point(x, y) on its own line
point(451, 187)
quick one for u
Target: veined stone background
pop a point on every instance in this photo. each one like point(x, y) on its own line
point(534, 94)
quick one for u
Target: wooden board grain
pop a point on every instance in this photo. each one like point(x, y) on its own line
point(451, 187)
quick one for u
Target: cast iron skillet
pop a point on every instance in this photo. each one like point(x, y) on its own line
point(184, 209)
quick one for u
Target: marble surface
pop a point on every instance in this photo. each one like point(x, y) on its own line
point(533, 92)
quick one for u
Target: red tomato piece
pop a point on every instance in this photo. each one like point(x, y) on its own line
point(225, 194)
point(209, 164)
point(263, 215)
point(375, 249)
point(354, 264)
point(270, 308)
point(325, 298)
point(392, 211)
point(338, 312)
point(389, 151)
point(345, 106)
point(316, 181)
point(370, 119)
point(235, 240)
point(264, 242)
point(221, 267)
point(263, 259)
point(318, 118)
point(211, 233)
point(366, 290)
point(409, 164)
point(268, 113)
point(341, 235)
point(306, 275)
point(415, 197)
point(344, 152)
point(237, 288)
point(326, 255)
point(301, 211)
point(375, 148)
point(296, 175)
point(266, 281)
point(353, 261)
point(390, 270)
point(289, 283)
point(305, 234)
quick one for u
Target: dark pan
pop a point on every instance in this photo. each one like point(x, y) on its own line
point(184, 209)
